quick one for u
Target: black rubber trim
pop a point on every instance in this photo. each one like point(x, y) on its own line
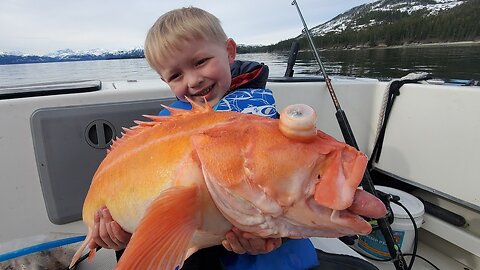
point(296, 79)
point(48, 89)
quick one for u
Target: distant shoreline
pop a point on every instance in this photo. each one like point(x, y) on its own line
point(410, 45)
point(419, 45)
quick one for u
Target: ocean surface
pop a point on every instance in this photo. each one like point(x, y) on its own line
point(442, 62)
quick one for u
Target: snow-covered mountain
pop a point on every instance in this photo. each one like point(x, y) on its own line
point(69, 55)
point(381, 12)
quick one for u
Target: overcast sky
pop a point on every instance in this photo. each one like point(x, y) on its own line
point(44, 26)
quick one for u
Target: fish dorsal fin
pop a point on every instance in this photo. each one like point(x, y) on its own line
point(141, 126)
point(156, 120)
point(196, 108)
point(163, 236)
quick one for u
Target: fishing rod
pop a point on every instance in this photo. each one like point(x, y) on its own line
point(367, 182)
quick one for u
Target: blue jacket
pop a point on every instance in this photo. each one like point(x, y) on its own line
point(293, 254)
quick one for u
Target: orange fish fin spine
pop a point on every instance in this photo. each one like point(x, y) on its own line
point(163, 236)
point(196, 107)
point(133, 131)
point(80, 250)
point(155, 118)
point(177, 112)
point(91, 254)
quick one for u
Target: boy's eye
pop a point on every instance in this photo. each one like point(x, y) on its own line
point(173, 76)
point(201, 61)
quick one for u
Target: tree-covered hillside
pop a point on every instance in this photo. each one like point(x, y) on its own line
point(460, 23)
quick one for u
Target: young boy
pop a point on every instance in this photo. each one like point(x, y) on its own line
point(188, 48)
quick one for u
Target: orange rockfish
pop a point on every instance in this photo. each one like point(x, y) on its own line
point(180, 182)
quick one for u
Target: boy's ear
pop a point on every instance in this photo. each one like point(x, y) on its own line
point(231, 50)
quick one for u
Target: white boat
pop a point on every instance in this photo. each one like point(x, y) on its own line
point(53, 137)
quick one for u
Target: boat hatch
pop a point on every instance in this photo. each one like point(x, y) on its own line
point(70, 142)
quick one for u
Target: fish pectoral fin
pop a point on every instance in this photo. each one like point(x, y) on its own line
point(162, 238)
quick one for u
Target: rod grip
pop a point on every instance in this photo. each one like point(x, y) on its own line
point(346, 129)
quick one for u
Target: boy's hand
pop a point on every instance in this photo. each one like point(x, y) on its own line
point(243, 242)
point(107, 233)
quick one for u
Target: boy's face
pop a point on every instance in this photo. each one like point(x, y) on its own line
point(200, 70)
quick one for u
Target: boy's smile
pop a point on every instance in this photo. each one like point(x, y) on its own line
point(200, 69)
point(203, 92)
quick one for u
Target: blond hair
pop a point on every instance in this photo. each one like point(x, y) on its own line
point(177, 26)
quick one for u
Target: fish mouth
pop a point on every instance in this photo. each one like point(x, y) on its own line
point(317, 208)
point(345, 222)
point(204, 92)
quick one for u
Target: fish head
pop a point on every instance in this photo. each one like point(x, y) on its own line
point(285, 178)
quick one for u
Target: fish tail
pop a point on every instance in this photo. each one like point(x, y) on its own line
point(80, 250)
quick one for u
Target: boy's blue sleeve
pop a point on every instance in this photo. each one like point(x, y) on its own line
point(253, 101)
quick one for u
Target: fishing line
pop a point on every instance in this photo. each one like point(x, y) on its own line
point(423, 258)
point(414, 252)
point(396, 200)
point(367, 182)
point(415, 228)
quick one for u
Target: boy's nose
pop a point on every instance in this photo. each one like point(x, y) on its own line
point(194, 80)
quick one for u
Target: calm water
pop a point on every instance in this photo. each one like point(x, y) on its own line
point(443, 62)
